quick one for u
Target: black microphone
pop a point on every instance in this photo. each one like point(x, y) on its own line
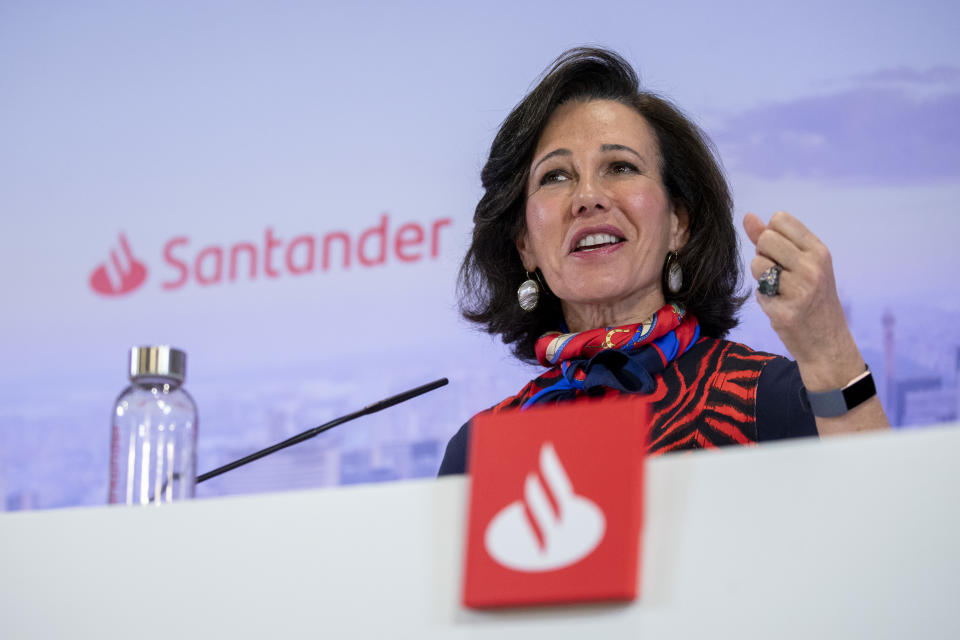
point(309, 433)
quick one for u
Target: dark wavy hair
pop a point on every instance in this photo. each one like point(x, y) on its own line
point(691, 173)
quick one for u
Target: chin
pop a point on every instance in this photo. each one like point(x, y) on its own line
point(596, 299)
point(599, 291)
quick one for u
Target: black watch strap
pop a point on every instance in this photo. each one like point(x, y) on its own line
point(836, 402)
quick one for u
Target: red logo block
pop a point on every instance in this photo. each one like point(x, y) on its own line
point(556, 504)
point(122, 274)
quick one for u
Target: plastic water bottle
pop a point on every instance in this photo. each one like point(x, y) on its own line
point(153, 442)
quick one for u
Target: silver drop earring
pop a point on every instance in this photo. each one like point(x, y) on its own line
point(528, 294)
point(674, 272)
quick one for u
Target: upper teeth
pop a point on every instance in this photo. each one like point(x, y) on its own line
point(595, 239)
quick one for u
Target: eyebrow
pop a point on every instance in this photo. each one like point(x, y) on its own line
point(605, 147)
point(555, 152)
point(620, 147)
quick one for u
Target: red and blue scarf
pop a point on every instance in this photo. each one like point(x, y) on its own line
point(623, 358)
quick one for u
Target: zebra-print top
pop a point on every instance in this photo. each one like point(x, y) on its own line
point(718, 393)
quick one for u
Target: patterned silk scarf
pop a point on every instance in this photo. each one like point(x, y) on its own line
point(623, 358)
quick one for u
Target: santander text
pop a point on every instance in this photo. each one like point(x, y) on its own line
point(275, 256)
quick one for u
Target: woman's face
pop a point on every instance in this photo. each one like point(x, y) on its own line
point(599, 221)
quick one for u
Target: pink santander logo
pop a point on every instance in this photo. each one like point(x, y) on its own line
point(121, 274)
point(275, 256)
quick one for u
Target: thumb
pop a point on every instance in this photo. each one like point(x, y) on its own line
point(754, 226)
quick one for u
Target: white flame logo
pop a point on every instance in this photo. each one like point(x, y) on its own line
point(551, 538)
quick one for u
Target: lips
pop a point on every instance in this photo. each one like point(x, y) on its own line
point(595, 238)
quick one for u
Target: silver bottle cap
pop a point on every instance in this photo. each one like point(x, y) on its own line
point(158, 361)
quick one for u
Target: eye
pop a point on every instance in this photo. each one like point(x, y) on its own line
point(622, 167)
point(552, 177)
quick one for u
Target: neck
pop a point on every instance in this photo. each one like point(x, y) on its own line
point(584, 316)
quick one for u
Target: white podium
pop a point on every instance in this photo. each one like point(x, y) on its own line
point(852, 537)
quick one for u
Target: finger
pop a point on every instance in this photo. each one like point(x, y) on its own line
point(754, 226)
point(766, 302)
point(788, 288)
point(778, 248)
point(759, 265)
point(792, 229)
point(786, 294)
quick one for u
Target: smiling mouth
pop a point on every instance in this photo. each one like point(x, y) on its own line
point(596, 241)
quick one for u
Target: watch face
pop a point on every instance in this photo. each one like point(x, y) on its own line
point(836, 402)
point(859, 391)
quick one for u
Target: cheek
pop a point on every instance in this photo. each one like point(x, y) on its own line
point(538, 227)
point(647, 202)
point(651, 213)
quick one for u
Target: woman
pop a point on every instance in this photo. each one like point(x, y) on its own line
point(608, 209)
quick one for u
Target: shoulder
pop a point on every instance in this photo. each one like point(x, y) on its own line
point(767, 384)
point(737, 352)
point(774, 384)
point(455, 456)
point(722, 360)
point(773, 373)
point(544, 380)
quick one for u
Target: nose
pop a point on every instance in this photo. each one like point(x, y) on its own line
point(590, 197)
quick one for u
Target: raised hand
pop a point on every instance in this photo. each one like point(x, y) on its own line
point(806, 312)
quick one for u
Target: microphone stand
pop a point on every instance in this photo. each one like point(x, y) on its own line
point(310, 433)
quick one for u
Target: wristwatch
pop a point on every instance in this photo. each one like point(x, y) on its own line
point(836, 402)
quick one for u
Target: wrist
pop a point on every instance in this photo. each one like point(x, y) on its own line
point(832, 372)
point(837, 402)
